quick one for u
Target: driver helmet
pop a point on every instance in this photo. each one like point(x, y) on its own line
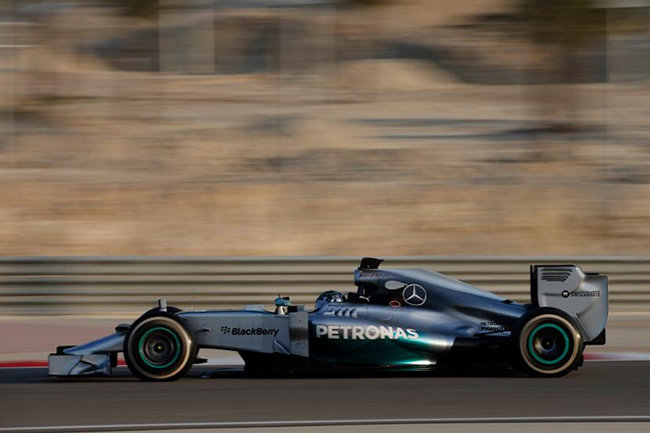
point(329, 297)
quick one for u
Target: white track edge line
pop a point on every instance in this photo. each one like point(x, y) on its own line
point(345, 422)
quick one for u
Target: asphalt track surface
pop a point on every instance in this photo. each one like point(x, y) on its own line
point(29, 398)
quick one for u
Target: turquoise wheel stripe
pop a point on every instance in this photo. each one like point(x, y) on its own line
point(531, 337)
point(141, 344)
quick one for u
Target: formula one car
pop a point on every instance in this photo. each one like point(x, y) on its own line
point(396, 319)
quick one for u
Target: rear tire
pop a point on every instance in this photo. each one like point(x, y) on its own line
point(159, 347)
point(547, 343)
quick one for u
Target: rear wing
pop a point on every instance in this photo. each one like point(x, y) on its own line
point(583, 296)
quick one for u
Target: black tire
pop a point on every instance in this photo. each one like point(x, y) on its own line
point(547, 343)
point(159, 347)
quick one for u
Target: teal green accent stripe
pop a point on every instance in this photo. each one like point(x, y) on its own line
point(141, 344)
point(531, 349)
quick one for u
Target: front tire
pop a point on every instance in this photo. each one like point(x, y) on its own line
point(159, 347)
point(548, 344)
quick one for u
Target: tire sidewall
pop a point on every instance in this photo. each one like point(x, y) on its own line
point(529, 324)
point(172, 323)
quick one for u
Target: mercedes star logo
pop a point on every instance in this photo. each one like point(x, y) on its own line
point(414, 294)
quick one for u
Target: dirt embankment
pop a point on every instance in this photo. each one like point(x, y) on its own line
point(351, 156)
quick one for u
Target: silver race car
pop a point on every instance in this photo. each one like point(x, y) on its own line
point(411, 319)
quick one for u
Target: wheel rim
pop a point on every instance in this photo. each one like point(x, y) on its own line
point(159, 347)
point(546, 342)
point(549, 344)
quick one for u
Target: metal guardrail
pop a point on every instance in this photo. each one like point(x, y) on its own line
point(129, 285)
